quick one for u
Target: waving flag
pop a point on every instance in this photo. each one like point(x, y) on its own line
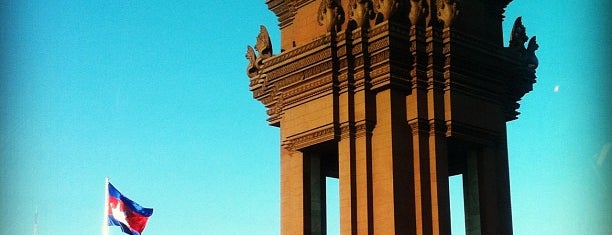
point(122, 211)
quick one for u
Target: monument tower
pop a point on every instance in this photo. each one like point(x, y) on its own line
point(392, 97)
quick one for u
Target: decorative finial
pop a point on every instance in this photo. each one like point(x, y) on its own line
point(448, 10)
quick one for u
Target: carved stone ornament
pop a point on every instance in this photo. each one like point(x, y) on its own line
point(418, 11)
point(252, 58)
point(387, 7)
point(263, 46)
point(518, 36)
point(530, 57)
point(448, 10)
point(330, 15)
point(361, 11)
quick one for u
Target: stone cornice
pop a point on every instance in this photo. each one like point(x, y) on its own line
point(472, 67)
point(356, 129)
point(284, 10)
point(310, 137)
point(300, 3)
point(393, 55)
point(471, 133)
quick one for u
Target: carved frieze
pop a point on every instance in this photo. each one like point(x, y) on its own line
point(312, 137)
point(341, 52)
point(289, 80)
point(378, 30)
point(356, 130)
point(380, 57)
point(380, 75)
point(345, 130)
point(363, 128)
point(299, 64)
point(320, 68)
point(378, 45)
point(395, 55)
point(307, 90)
point(356, 49)
point(300, 51)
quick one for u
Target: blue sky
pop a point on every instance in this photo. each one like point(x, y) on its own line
point(154, 95)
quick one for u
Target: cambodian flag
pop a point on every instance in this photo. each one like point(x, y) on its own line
point(126, 213)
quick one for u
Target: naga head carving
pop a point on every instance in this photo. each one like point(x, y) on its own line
point(330, 15)
point(448, 10)
point(518, 36)
point(361, 11)
point(526, 56)
point(530, 56)
point(387, 7)
point(263, 44)
point(418, 11)
point(251, 57)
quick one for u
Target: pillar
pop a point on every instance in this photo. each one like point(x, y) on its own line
point(392, 172)
point(303, 209)
point(494, 188)
point(470, 194)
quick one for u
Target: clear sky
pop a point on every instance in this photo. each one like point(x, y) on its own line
point(154, 95)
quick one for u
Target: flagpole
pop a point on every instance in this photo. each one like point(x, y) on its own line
point(105, 230)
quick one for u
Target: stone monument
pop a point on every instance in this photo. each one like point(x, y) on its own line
point(392, 97)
